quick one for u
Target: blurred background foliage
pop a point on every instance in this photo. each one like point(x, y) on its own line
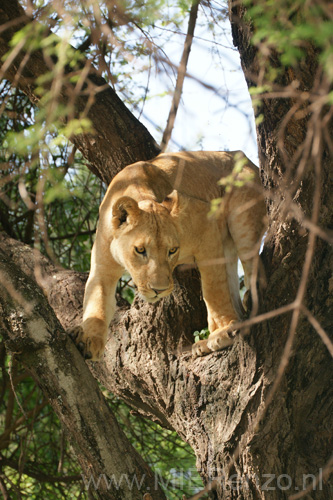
point(49, 199)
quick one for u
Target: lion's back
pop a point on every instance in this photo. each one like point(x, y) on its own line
point(197, 173)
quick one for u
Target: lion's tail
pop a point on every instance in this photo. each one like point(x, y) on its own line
point(231, 257)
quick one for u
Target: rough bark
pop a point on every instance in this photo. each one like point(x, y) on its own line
point(214, 402)
point(293, 438)
point(33, 333)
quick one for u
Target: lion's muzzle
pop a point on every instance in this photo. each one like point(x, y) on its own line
point(153, 294)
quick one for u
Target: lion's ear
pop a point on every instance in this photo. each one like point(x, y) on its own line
point(124, 211)
point(173, 202)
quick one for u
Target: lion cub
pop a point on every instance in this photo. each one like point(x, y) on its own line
point(155, 216)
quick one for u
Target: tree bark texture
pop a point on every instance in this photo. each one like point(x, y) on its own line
point(218, 403)
point(37, 339)
point(296, 426)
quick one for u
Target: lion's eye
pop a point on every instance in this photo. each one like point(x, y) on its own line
point(140, 250)
point(173, 250)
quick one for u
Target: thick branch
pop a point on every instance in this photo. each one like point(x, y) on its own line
point(29, 470)
point(39, 342)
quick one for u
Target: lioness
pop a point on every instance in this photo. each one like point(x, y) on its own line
point(155, 216)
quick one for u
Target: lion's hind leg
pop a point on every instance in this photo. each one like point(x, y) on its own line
point(246, 222)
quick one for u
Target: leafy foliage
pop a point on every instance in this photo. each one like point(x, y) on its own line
point(202, 335)
point(290, 28)
point(49, 198)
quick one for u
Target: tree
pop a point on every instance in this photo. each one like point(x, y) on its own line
point(257, 415)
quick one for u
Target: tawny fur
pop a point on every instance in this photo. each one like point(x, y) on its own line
point(155, 216)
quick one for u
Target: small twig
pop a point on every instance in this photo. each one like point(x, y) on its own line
point(209, 487)
point(180, 75)
point(39, 475)
point(72, 235)
point(319, 329)
point(10, 367)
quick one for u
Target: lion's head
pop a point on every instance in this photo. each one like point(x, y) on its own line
point(146, 243)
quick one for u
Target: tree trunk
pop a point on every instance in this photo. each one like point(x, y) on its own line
point(256, 414)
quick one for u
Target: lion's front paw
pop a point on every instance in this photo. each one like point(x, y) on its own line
point(90, 339)
point(200, 348)
point(219, 339)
